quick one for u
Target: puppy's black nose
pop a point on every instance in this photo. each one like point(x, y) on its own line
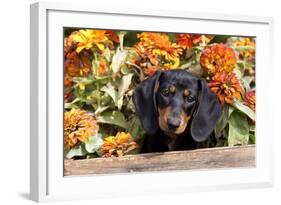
point(173, 123)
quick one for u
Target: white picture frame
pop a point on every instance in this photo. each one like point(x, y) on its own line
point(47, 182)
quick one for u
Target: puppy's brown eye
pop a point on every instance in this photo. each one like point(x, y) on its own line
point(165, 92)
point(189, 98)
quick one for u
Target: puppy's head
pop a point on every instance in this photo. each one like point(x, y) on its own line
point(176, 98)
point(171, 100)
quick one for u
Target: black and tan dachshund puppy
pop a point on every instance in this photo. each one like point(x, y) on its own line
point(176, 109)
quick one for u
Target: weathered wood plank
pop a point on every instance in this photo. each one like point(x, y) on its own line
point(225, 157)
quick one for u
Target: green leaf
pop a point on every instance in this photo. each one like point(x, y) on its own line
point(110, 90)
point(71, 104)
point(107, 54)
point(84, 80)
point(137, 70)
point(252, 139)
point(118, 59)
point(100, 109)
point(106, 100)
point(247, 81)
point(121, 38)
point(241, 64)
point(222, 122)
point(131, 105)
point(125, 83)
point(93, 143)
point(95, 95)
point(113, 117)
point(76, 151)
point(245, 109)
point(238, 129)
point(136, 129)
point(125, 70)
point(230, 110)
point(244, 48)
point(123, 88)
point(186, 65)
point(219, 39)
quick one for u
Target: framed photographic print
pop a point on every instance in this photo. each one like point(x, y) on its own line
point(147, 101)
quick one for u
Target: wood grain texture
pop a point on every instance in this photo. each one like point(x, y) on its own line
point(209, 158)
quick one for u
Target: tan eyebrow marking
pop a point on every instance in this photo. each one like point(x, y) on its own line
point(172, 89)
point(186, 92)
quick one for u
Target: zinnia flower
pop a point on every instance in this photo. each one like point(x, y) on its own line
point(86, 39)
point(68, 82)
point(149, 71)
point(78, 64)
point(218, 58)
point(118, 145)
point(68, 95)
point(78, 127)
point(226, 86)
point(112, 36)
point(188, 40)
point(250, 100)
point(102, 67)
point(158, 49)
point(249, 53)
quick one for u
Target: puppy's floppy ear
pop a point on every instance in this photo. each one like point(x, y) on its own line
point(207, 113)
point(144, 99)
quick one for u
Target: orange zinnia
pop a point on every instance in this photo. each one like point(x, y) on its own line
point(68, 83)
point(217, 58)
point(118, 145)
point(158, 49)
point(102, 67)
point(189, 40)
point(78, 127)
point(78, 64)
point(226, 86)
point(112, 36)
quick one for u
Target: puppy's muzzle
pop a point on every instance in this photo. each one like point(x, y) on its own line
point(173, 123)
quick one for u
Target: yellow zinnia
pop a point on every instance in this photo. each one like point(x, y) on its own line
point(88, 38)
point(118, 145)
